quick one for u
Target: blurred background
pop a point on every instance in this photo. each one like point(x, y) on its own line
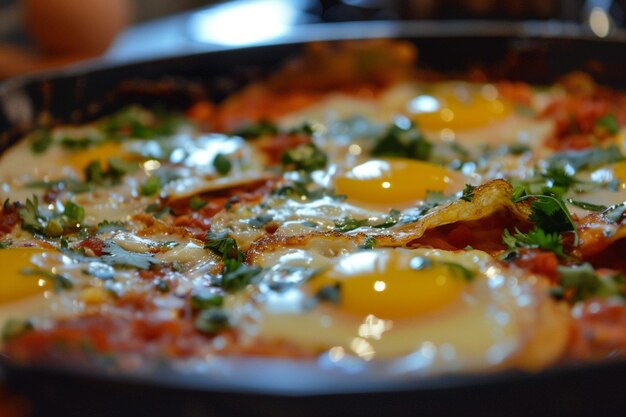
point(40, 34)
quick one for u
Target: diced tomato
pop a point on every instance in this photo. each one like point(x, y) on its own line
point(539, 262)
point(599, 329)
point(92, 243)
point(8, 218)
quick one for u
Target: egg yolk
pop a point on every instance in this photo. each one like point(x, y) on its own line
point(619, 171)
point(393, 181)
point(13, 284)
point(459, 106)
point(81, 158)
point(390, 286)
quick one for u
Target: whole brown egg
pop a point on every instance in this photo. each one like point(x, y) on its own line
point(75, 26)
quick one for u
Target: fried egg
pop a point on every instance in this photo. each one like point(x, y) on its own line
point(424, 310)
point(395, 182)
point(21, 294)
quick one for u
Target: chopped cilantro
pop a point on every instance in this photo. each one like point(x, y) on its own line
point(260, 220)
point(70, 184)
point(392, 219)
point(257, 130)
point(79, 143)
point(306, 157)
point(41, 141)
point(368, 243)
point(31, 218)
point(96, 174)
point(226, 247)
point(206, 298)
point(151, 186)
point(584, 282)
point(106, 226)
point(13, 328)
point(609, 124)
point(587, 158)
point(237, 278)
point(535, 238)
point(347, 224)
point(518, 149)
point(586, 206)
point(212, 321)
point(158, 211)
point(304, 129)
point(433, 199)
point(114, 254)
point(330, 293)
point(74, 212)
point(59, 281)
point(222, 164)
point(4, 244)
point(548, 212)
point(299, 189)
point(196, 203)
point(419, 263)
point(468, 193)
point(403, 142)
point(49, 223)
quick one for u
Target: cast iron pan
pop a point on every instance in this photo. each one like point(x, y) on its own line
point(537, 54)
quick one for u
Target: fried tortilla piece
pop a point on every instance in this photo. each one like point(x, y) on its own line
point(491, 201)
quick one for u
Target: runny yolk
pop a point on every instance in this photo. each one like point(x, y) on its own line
point(79, 159)
point(458, 106)
point(382, 283)
point(14, 285)
point(619, 172)
point(393, 182)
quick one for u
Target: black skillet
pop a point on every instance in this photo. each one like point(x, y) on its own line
point(537, 53)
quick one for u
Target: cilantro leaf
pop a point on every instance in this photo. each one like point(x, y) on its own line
point(468, 193)
point(585, 282)
point(550, 214)
point(13, 328)
point(330, 293)
point(306, 157)
point(368, 243)
point(392, 219)
point(347, 224)
point(586, 206)
point(608, 123)
point(225, 246)
point(59, 281)
point(260, 220)
point(41, 141)
point(106, 226)
point(257, 130)
point(236, 279)
point(73, 212)
point(587, 158)
point(536, 238)
point(212, 321)
point(196, 203)
point(151, 186)
point(30, 217)
point(114, 254)
point(403, 142)
point(206, 298)
point(419, 263)
point(222, 164)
